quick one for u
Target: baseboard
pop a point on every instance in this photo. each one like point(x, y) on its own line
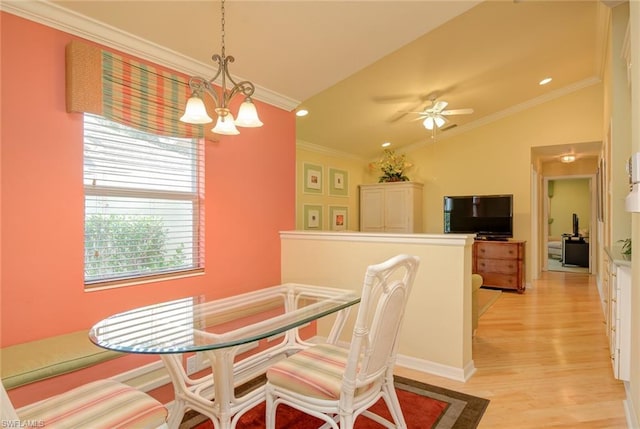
point(146, 377)
point(433, 368)
point(154, 375)
point(453, 373)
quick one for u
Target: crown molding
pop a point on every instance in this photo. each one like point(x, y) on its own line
point(55, 16)
point(561, 92)
point(323, 150)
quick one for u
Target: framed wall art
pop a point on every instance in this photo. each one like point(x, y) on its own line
point(339, 217)
point(312, 176)
point(338, 182)
point(312, 217)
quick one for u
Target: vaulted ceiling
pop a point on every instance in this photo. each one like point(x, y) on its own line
point(360, 66)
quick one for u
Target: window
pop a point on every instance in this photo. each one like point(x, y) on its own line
point(143, 216)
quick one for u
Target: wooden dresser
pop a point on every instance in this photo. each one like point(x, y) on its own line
point(500, 263)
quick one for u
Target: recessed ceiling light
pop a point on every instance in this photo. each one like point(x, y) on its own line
point(386, 144)
point(302, 112)
point(545, 81)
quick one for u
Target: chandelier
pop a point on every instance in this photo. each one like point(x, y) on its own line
point(196, 112)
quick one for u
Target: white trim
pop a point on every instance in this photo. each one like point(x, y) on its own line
point(421, 365)
point(129, 377)
point(381, 237)
point(312, 147)
point(60, 18)
point(434, 368)
point(561, 92)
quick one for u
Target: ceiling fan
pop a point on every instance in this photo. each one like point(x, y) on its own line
point(434, 116)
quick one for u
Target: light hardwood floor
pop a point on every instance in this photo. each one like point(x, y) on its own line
point(542, 359)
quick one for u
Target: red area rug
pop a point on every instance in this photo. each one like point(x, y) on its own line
point(424, 406)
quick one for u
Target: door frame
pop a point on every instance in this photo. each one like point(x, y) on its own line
point(593, 224)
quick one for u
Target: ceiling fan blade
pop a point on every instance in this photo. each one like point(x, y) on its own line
point(438, 106)
point(398, 98)
point(402, 113)
point(457, 112)
point(397, 116)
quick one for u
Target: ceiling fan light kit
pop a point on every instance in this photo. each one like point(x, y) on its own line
point(196, 112)
point(436, 121)
point(435, 116)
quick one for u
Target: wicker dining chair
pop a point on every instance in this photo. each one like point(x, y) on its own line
point(338, 384)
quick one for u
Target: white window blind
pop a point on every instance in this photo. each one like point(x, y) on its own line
point(143, 215)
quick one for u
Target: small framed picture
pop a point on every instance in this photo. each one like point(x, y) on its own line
point(339, 219)
point(312, 179)
point(312, 217)
point(338, 182)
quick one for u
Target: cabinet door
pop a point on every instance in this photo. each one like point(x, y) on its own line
point(372, 210)
point(606, 294)
point(397, 210)
point(622, 324)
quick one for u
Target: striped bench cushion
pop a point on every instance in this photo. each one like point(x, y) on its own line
point(101, 404)
point(316, 372)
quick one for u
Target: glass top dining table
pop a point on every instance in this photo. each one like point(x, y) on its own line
point(225, 331)
point(193, 324)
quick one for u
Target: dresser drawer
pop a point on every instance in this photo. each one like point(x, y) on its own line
point(498, 250)
point(506, 281)
point(500, 263)
point(503, 266)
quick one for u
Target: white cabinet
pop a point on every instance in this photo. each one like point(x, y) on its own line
point(620, 323)
point(391, 207)
point(617, 311)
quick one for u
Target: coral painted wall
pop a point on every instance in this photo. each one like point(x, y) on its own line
point(249, 186)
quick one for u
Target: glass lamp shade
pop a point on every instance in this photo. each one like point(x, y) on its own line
point(428, 123)
point(195, 112)
point(225, 126)
point(248, 115)
point(433, 121)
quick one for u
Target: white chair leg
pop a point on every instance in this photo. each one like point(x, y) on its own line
point(346, 421)
point(270, 411)
point(391, 399)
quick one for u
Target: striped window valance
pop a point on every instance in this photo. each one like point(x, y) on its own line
point(124, 90)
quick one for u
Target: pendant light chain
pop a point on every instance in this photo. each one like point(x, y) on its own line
point(222, 25)
point(196, 111)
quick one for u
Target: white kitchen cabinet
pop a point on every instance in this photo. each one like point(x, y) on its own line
point(391, 207)
point(620, 330)
point(617, 297)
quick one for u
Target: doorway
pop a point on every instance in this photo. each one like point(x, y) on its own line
point(569, 208)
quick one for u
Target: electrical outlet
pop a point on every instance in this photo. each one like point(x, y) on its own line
point(192, 364)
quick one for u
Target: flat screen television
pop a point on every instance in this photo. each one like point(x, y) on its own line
point(488, 216)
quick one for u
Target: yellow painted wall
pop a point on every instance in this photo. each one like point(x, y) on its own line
point(490, 159)
point(355, 168)
point(569, 196)
point(634, 388)
point(437, 331)
point(496, 158)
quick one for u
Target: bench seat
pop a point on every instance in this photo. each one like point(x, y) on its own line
point(49, 357)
